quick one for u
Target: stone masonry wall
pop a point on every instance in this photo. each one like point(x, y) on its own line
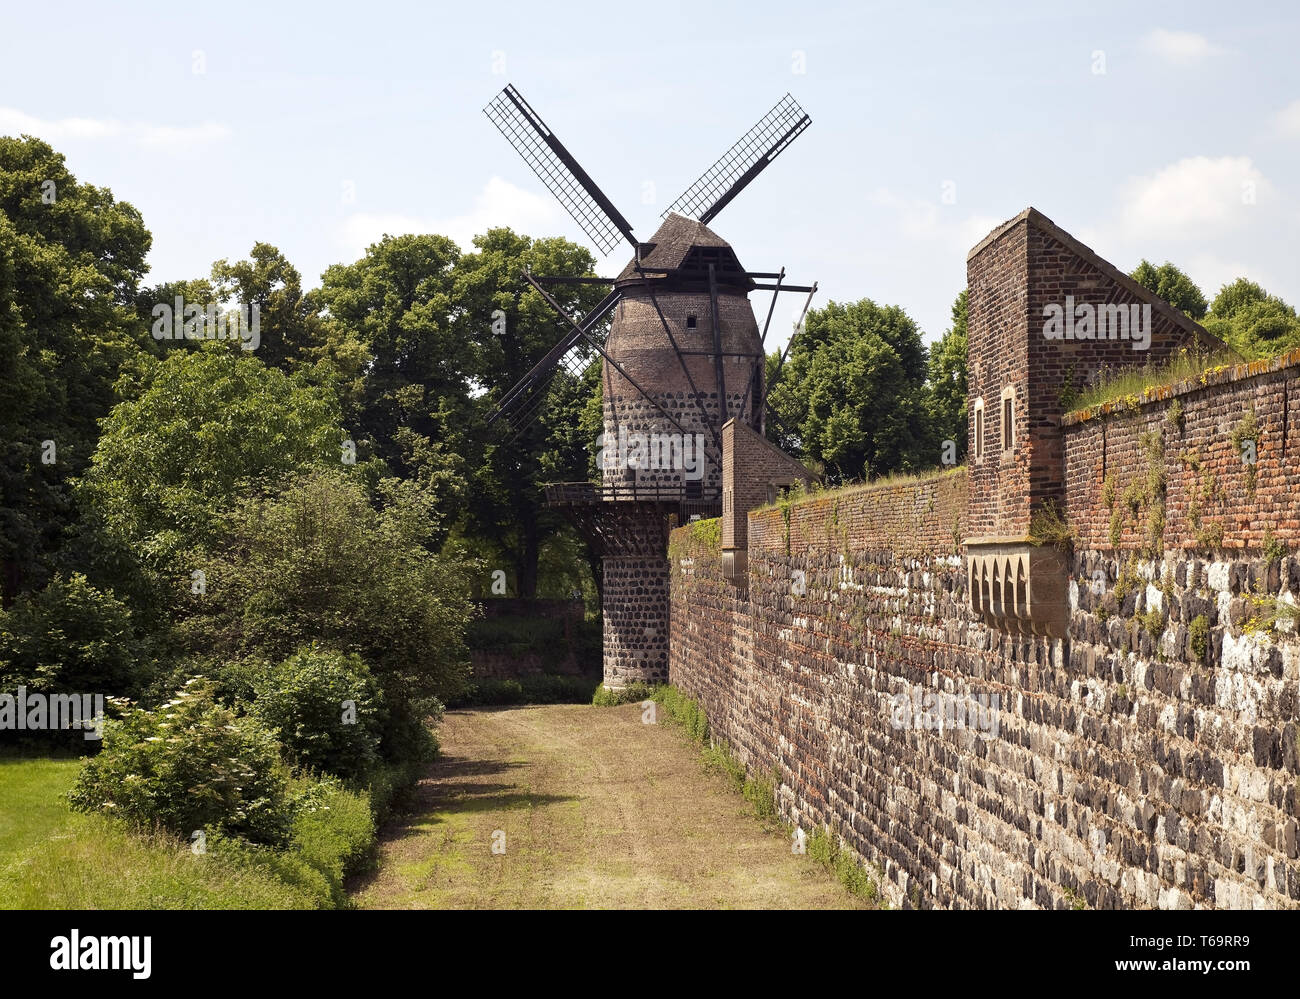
point(1149, 759)
point(636, 626)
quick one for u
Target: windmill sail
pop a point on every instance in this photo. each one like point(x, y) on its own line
point(558, 170)
point(570, 354)
point(744, 161)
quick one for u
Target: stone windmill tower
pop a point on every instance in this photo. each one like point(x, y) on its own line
point(684, 357)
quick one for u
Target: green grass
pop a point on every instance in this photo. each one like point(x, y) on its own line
point(1132, 382)
point(825, 849)
point(604, 697)
point(31, 807)
point(54, 858)
point(93, 862)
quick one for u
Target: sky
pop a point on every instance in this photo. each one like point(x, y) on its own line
point(1169, 131)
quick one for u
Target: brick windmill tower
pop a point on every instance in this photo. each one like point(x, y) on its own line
point(683, 358)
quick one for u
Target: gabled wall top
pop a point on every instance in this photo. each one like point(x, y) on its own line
point(1043, 224)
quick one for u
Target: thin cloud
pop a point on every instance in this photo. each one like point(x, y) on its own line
point(1195, 196)
point(1182, 48)
point(167, 137)
point(930, 222)
point(500, 203)
point(182, 136)
point(1287, 121)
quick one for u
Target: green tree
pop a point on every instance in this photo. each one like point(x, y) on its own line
point(71, 259)
point(1253, 322)
point(1172, 285)
point(512, 326)
point(852, 392)
point(947, 382)
point(412, 408)
point(1234, 297)
point(210, 426)
point(288, 325)
point(70, 637)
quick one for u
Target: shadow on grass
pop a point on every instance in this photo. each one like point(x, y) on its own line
point(439, 798)
point(448, 767)
point(444, 792)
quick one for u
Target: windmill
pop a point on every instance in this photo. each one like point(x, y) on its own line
point(683, 329)
point(684, 355)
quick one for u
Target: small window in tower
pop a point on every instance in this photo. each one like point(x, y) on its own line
point(1008, 418)
point(979, 429)
point(690, 322)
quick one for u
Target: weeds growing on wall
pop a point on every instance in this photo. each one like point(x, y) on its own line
point(1272, 548)
point(1175, 417)
point(1144, 495)
point(707, 532)
point(1077, 901)
point(1127, 581)
point(1152, 622)
point(1246, 434)
point(1268, 613)
point(684, 711)
point(1199, 632)
point(1204, 490)
point(1049, 526)
point(1126, 385)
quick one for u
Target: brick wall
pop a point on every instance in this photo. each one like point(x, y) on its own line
point(1148, 756)
point(1014, 275)
point(997, 331)
point(501, 664)
point(1124, 770)
point(753, 469)
point(1191, 437)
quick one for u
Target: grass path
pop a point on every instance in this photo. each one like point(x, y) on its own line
point(598, 811)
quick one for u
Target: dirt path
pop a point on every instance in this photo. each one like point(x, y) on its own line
point(598, 811)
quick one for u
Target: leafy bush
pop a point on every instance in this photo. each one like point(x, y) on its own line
point(407, 738)
point(333, 831)
point(391, 783)
point(318, 562)
point(515, 633)
point(507, 691)
point(70, 637)
point(326, 709)
point(191, 764)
